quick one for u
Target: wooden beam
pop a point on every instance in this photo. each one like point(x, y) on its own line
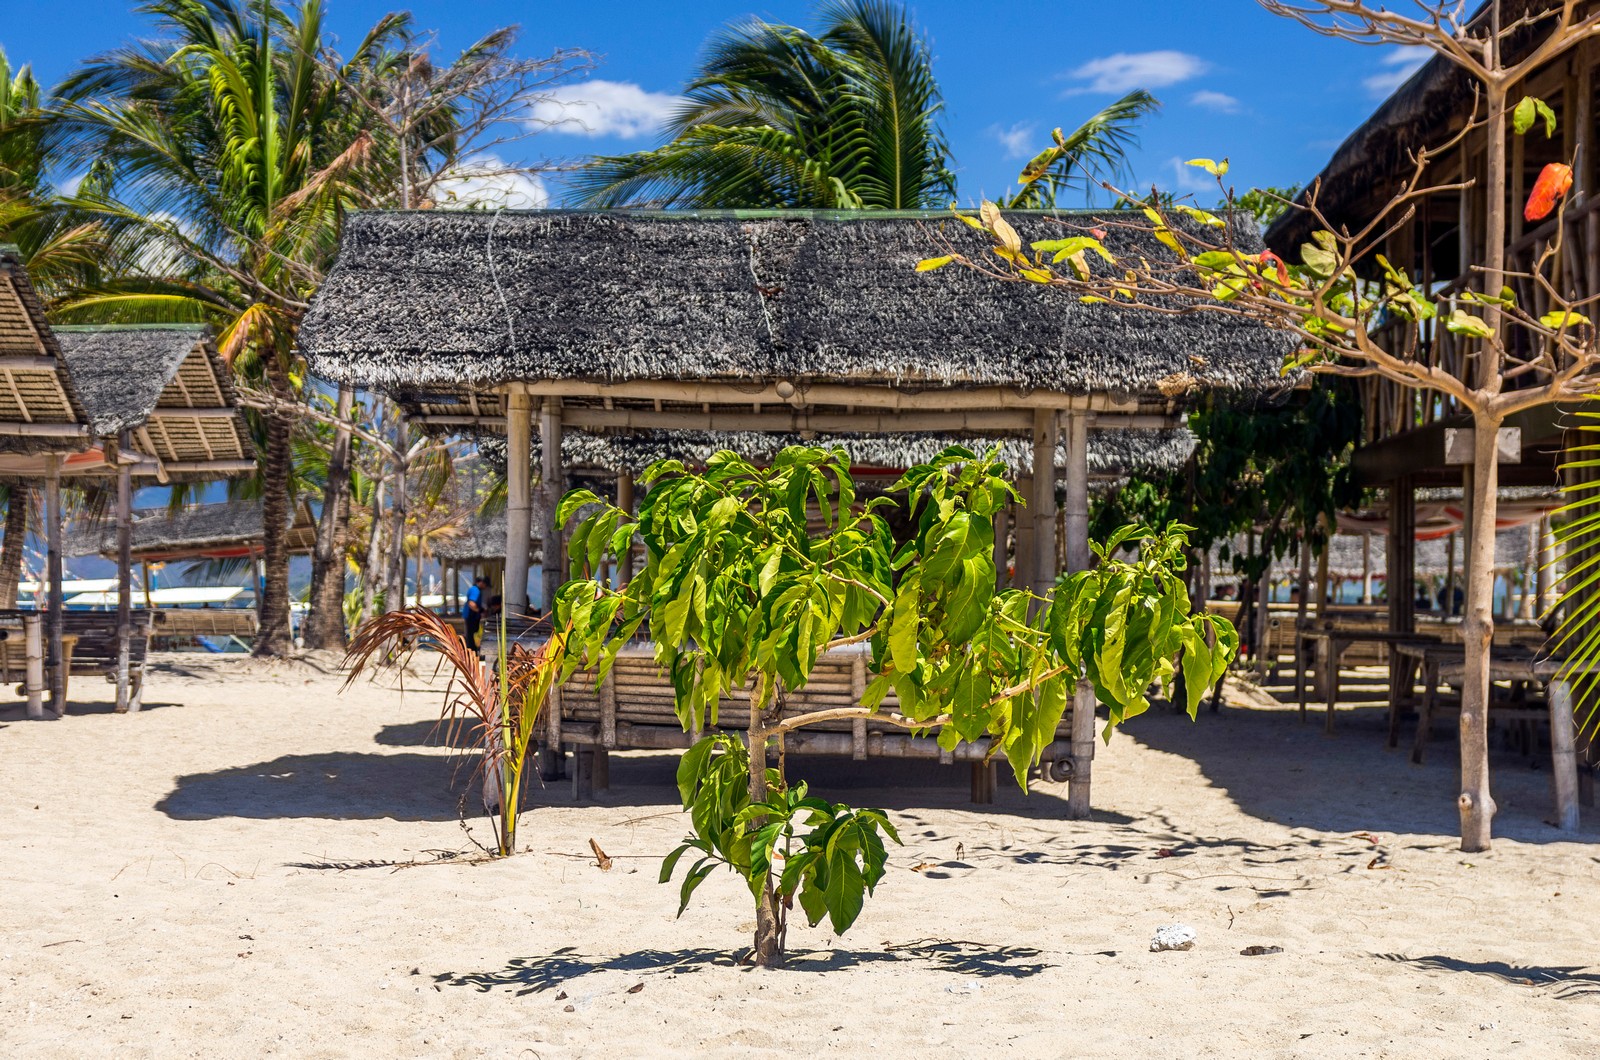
point(770, 419)
point(45, 430)
point(22, 362)
point(519, 504)
point(863, 395)
point(193, 466)
point(184, 412)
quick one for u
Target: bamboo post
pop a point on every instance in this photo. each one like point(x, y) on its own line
point(1302, 602)
point(1564, 757)
point(519, 503)
point(553, 483)
point(1366, 567)
point(33, 675)
point(144, 580)
point(625, 502)
point(1078, 558)
point(1546, 557)
point(1022, 563)
point(1450, 575)
point(1046, 432)
point(124, 571)
point(1399, 579)
point(57, 602)
point(1002, 556)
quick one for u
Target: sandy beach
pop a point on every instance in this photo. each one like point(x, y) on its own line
point(259, 865)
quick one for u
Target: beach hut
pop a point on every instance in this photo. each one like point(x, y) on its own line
point(150, 401)
point(772, 321)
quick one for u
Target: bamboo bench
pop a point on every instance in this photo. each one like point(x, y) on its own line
point(94, 649)
point(190, 623)
point(634, 710)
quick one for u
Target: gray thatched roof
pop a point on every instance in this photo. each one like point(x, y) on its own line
point(121, 371)
point(34, 390)
point(198, 530)
point(1112, 453)
point(1423, 112)
point(451, 299)
point(482, 538)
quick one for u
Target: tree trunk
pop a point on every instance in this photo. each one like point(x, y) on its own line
point(373, 566)
point(1477, 633)
point(768, 948)
point(12, 548)
point(273, 638)
point(324, 627)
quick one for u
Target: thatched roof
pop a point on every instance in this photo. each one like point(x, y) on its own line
point(207, 530)
point(1423, 112)
point(1112, 453)
point(482, 538)
point(166, 376)
point(35, 387)
point(469, 299)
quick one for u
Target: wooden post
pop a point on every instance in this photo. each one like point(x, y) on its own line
point(57, 602)
point(124, 570)
point(1002, 554)
point(1303, 600)
point(1078, 558)
point(1046, 432)
point(1322, 574)
point(1546, 557)
point(33, 675)
point(625, 502)
point(553, 483)
point(1022, 575)
point(1366, 567)
point(1450, 575)
point(519, 502)
point(1564, 757)
point(1399, 578)
point(144, 581)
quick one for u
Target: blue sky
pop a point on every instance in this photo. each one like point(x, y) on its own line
point(1234, 80)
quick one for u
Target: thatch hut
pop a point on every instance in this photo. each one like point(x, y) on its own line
point(770, 321)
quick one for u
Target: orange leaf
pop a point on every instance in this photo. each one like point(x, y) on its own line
point(1555, 180)
point(1269, 258)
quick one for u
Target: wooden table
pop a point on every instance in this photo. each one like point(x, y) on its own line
point(1446, 665)
point(1327, 644)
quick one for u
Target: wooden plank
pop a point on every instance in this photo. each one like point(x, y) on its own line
point(124, 576)
point(519, 503)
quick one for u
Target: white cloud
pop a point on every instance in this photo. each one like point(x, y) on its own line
point(605, 108)
point(486, 181)
point(69, 187)
point(1123, 72)
point(1192, 180)
point(1398, 66)
point(1018, 140)
point(1220, 102)
point(160, 255)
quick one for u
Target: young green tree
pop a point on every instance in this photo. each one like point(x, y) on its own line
point(741, 599)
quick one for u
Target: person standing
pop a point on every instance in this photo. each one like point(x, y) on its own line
point(473, 611)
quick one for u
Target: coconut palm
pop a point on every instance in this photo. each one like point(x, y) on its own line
point(845, 118)
point(233, 154)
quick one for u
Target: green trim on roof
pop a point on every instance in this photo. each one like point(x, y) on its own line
point(110, 329)
point(747, 215)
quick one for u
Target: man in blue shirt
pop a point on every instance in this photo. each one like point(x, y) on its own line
point(473, 613)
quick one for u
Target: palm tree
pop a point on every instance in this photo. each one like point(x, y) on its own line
point(847, 118)
point(232, 155)
point(1094, 151)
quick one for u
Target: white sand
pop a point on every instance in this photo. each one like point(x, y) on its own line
point(213, 878)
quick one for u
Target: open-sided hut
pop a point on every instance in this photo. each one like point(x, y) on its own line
point(770, 321)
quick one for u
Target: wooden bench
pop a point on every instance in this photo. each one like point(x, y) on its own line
point(635, 710)
point(175, 624)
point(94, 651)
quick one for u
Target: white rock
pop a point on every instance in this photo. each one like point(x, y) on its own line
point(1173, 937)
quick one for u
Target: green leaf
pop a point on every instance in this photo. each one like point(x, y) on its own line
point(1464, 323)
point(929, 264)
point(1522, 116)
point(1562, 318)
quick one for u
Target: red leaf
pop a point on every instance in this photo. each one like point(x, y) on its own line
point(1555, 180)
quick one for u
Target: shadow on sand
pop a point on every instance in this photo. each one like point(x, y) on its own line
point(1563, 983)
point(533, 975)
point(1279, 769)
point(405, 787)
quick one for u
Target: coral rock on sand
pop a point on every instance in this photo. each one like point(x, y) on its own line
point(1173, 937)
